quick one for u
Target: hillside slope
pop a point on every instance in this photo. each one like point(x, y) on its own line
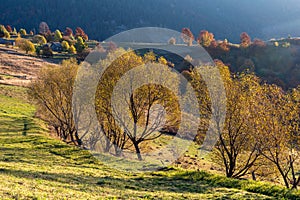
point(19, 69)
point(35, 166)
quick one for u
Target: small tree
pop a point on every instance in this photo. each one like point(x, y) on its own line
point(205, 38)
point(3, 32)
point(25, 45)
point(65, 45)
point(22, 32)
point(8, 28)
point(57, 36)
point(72, 49)
point(68, 32)
point(15, 32)
point(80, 33)
point(187, 36)
point(245, 40)
point(80, 45)
point(224, 46)
point(47, 51)
point(39, 39)
point(43, 28)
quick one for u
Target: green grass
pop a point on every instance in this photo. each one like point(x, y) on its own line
point(36, 166)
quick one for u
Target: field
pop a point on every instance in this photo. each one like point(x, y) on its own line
point(35, 166)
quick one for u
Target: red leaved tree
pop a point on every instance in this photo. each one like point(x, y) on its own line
point(245, 40)
point(205, 38)
point(187, 36)
point(81, 33)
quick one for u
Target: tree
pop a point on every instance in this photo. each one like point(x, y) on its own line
point(22, 31)
point(43, 28)
point(52, 91)
point(236, 150)
point(46, 51)
point(245, 40)
point(259, 43)
point(15, 32)
point(39, 39)
point(65, 45)
point(72, 49)
point(280, 143)
point(205, 38)
point(25, 45)
point(224, 46)
point(8, 28)
point(57, 36)
point(238, 147)
point(68, 32)
point(3, 32)
point(80, 45)
point(144, 120)
point(187, 36)
point(80, 33)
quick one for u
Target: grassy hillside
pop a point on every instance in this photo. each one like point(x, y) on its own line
point(35, 166)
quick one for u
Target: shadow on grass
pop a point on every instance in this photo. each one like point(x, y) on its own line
point(169, 184)
point(17, 125)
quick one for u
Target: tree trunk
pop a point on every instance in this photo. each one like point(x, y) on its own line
point(137, 150)
point(253, 176)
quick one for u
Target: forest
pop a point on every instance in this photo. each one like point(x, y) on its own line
point(102, 19)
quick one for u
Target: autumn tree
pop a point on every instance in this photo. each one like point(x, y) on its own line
point(245, 40)
point(236, 150)
point(205, 38)
point(143, 121)
point(8, 28)
point(39, 39)
point(22, 32)
point(3, 32)
point(52, 92)
point(280, 141)
point(238, 147)
point(68, 32)
point(72, 49)
point(25, 45)
point(224, 46)
point(187, 36)
point(65, 45)
point(57, 36)
point(80, 45)
point(46, 51)
point(80, 33)
point(44, 28)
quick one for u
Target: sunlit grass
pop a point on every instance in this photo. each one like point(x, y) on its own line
point(36, 166)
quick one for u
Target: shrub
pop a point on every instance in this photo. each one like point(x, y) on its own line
point(39, 39)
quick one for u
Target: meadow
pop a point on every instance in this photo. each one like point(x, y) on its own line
point(34, 165)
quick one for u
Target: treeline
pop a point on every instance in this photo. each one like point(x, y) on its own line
point(46, 42)
point(275, 61)
point(260, 134)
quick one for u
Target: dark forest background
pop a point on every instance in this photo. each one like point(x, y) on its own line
point(102, 18)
